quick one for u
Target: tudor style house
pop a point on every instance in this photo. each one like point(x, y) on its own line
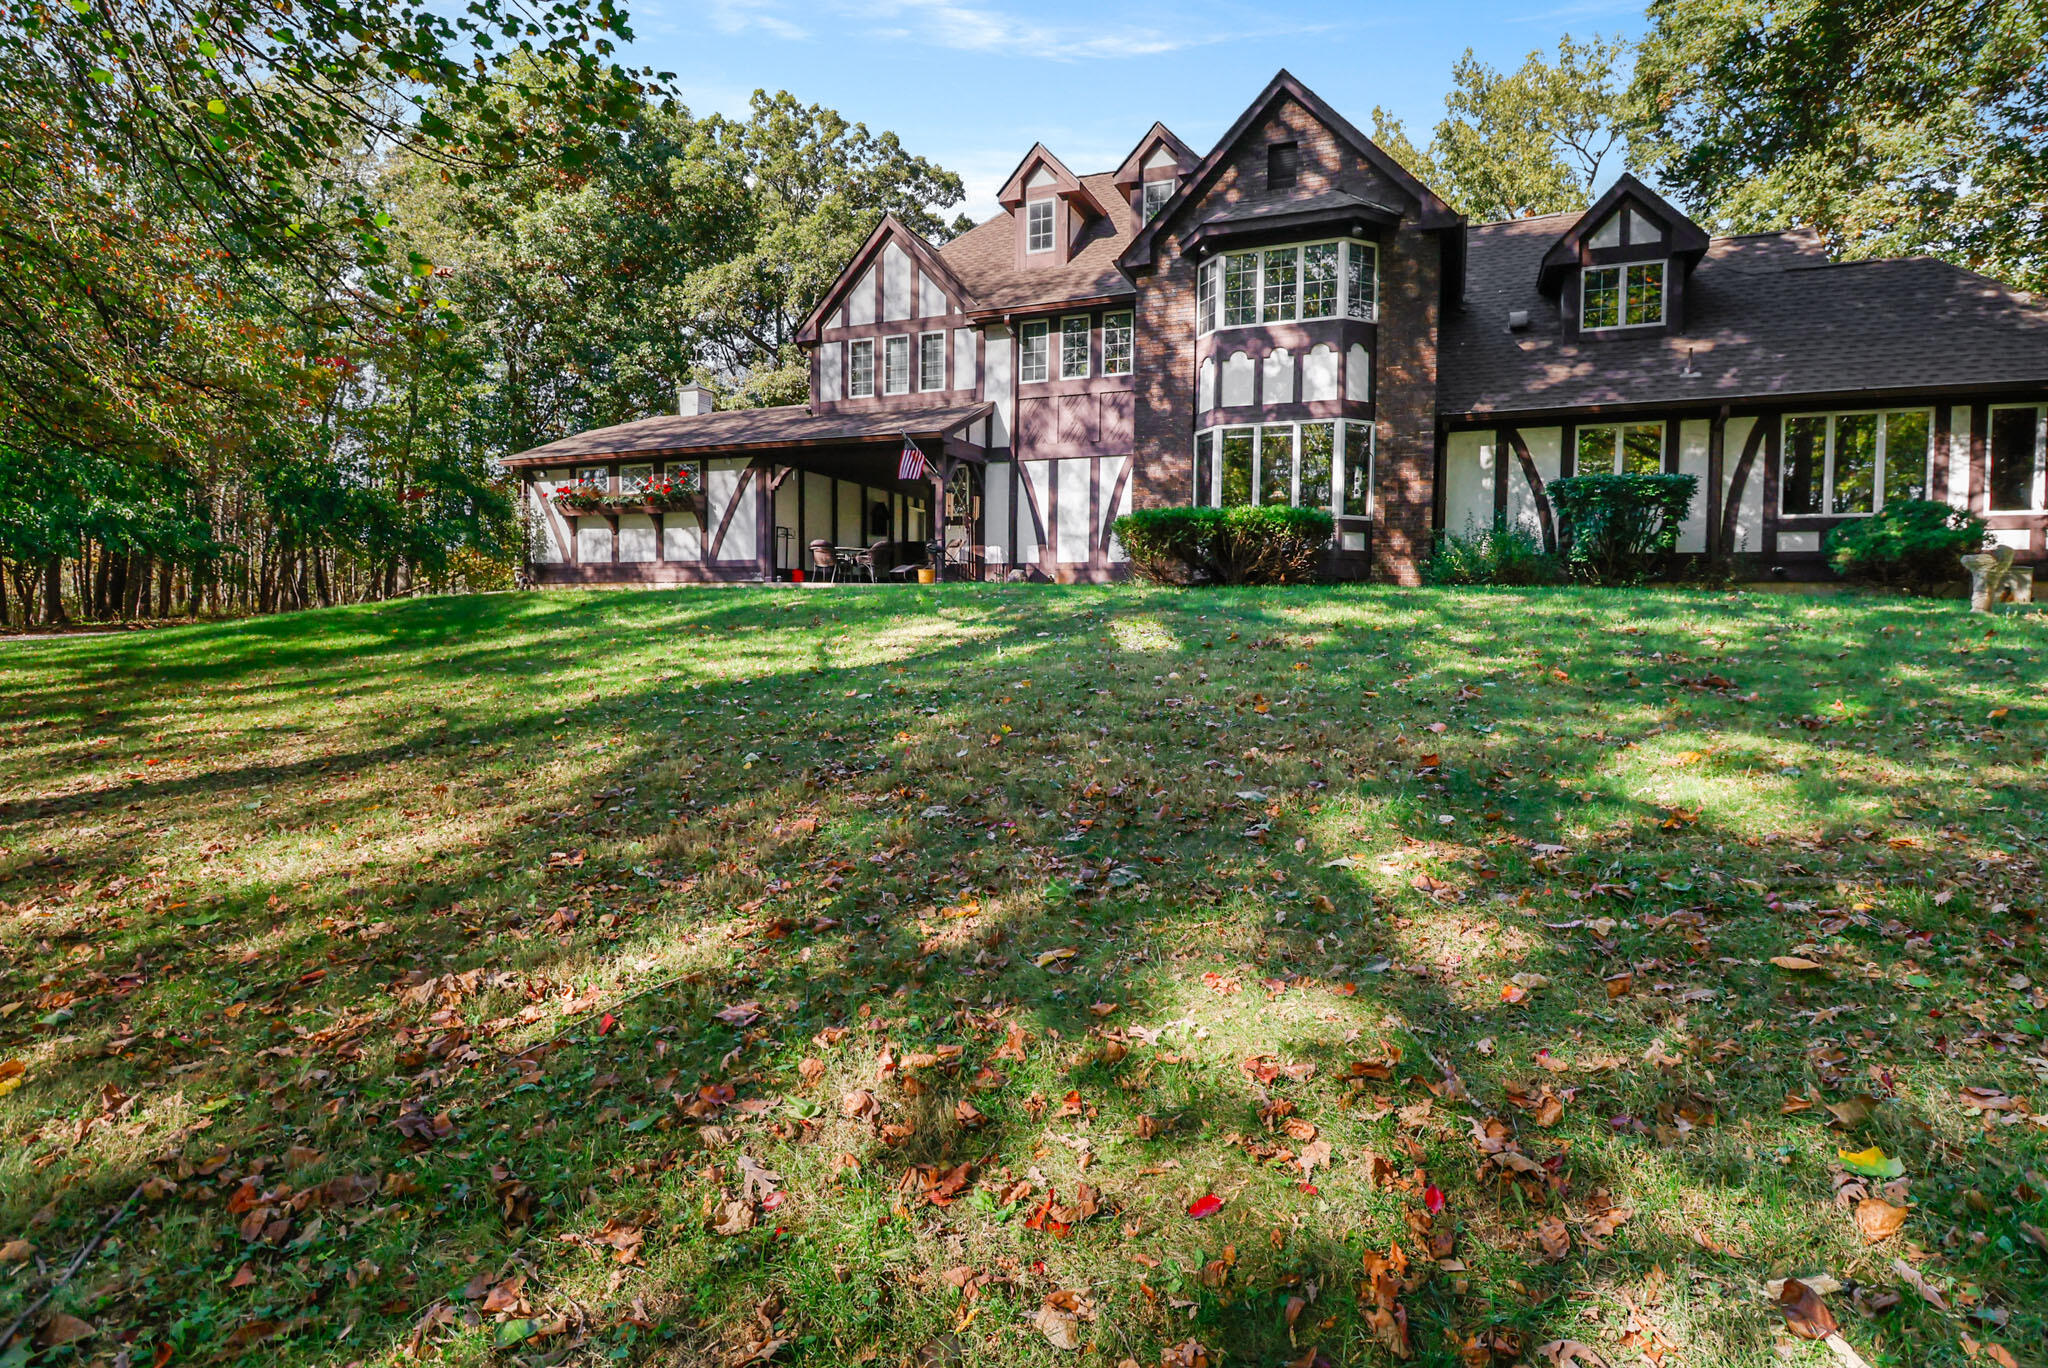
point(1294, 318)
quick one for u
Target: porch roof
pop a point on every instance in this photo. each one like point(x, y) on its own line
point(741, 431)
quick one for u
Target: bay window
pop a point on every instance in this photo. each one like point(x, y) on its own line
point(1288, 284)
point(1851, 464)
point(1326, 465)
point(1074, 347)
point(860, 368)
point(1034, 352)
point(896, 365)
point(1630, 296)
point(1624, 449)
point(1116, 344)
point(2019, 458)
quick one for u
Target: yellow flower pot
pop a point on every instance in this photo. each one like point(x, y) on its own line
point(927, 575)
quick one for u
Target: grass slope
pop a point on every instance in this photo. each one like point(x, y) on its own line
point(628, 977)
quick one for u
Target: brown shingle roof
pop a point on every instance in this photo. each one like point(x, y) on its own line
point(985, 259)
point(1766, 316)
point(750, 430)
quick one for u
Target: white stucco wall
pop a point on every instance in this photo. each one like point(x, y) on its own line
point(1468, 483)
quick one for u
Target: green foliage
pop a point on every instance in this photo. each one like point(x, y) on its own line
point(1891, 126)
point(1911, 544)
point(1529, 141)
point(1500, 555)
point(1620, 529)
point(1246, 544)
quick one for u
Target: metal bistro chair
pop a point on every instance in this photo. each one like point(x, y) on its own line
point(824, 564)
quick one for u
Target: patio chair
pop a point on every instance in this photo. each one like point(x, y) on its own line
point(824, 565)
point(875, 560)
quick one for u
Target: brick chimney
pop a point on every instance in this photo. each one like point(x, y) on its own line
point(693, 399)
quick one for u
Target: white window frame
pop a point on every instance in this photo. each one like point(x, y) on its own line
point(1663, 294)
point(1148, 206)
point(1087, 346)
point(1210, 296)
point(689, 474)
point(600, 476)
point(2040, 459)
point(1877, 489)
point(1614, 461)
point(1031, 225)
point(1129, 330)
point(1041, 329)
point(634, 478)
point(1339, 473)
point(888, 346)
point(858, 347)
point(924, 339)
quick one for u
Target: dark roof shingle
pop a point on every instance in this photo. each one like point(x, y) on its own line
point(1766, 316)
point(985, 259)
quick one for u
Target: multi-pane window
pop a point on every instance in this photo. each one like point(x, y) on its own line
point(1325, 465)
point(634, 478)
point(598, 476)
point(931, 361)
point(1630, 296)
point(1319, 280)
point(687, 475)
point(1157, 193)
point(1625, 449)
point(1116, 344)
point(1074, 347)
point(1285, 284)
point(860, 368)
point(1277, 288)
point(1852, 463)
point(1038, 226)
point(896, 365)
point(1240, 289)
point(1034, 351)
point(2019, 458)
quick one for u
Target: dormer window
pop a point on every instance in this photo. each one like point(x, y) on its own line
point(1038, 226)
point(1627, 296)
point(1157, 193)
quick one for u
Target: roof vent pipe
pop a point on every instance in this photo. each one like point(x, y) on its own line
point(1518, 320)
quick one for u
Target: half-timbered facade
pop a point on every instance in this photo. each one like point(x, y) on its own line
point(1295, 318)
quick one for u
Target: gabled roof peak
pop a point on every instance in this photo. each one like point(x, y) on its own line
point(1681, 236)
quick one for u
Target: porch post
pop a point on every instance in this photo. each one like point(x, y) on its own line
point(942, 473)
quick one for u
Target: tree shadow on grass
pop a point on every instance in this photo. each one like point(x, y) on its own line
point(860, 725)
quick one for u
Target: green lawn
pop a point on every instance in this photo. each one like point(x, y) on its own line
point(693, 976)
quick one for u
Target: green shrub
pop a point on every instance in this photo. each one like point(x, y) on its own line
point(1620, 529)
point(1509, 555)
point(1251, 544)
point(1912, 544)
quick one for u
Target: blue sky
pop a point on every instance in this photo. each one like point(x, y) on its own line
point(972, 83)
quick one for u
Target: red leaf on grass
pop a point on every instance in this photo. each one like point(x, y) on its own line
point(607, 1023)
point(1433, 1198)
point(1208, 1204)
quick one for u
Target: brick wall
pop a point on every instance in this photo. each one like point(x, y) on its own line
point(1405, 391)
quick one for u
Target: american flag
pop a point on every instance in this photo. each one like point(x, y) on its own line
point(913, 465)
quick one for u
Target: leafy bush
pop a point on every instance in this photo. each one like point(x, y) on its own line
point(1508, 555)
point(1620, 529)
point(1253, 544)
point(1912, 544)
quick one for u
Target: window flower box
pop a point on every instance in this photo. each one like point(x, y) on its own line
point(583, 497)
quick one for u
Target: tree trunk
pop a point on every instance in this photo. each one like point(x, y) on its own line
point(320, 579)
point(53, 591)
point(164, 572)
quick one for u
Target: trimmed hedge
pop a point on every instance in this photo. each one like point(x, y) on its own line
point(1620, 529)
point(1913, 544)
point(1248, 544)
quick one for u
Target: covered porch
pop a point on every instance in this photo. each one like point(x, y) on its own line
point(741, 496)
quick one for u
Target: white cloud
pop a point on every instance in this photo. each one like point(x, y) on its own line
point(967, 27)
point(740, 16)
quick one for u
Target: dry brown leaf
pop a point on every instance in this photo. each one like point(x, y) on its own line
point(1796, 963)
point(1570, 1354)
point(1879, 1219)
point(1912, 1277)
point(1805, 1313)
point(1061, 1328)
point(66, 1329)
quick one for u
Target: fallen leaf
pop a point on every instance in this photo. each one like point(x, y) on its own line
point(65, 1329)
point(1853, 1111)
point(1570, 1354)
point(1919, 1284)
point(1796, 963)
point(1204, 1206)
point(1806, 1315)
point(1062, 1329)
point(1871, 1163)
point(1879, 1219)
